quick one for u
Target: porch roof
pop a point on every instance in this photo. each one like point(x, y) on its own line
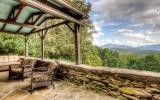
point(26, 16)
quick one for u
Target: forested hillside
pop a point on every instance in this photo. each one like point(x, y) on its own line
point(59, 44)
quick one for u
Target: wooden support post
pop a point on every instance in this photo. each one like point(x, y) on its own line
point(42, 45)
point(26, 46)
point(77, 44)
point(42, 35)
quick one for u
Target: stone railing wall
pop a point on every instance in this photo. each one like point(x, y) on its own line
point(121, 83)
point(10, 58)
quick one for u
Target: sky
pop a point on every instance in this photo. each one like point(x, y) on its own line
point(126, 22)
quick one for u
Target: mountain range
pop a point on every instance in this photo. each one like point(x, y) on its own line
point(139, 49)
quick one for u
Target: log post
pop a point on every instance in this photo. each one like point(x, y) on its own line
point(42, 47)
point(26, 46)
point(77, 44)
point(42, 35)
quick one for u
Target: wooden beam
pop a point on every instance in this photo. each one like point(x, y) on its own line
point(50, 27)
point(67, 5)
point(19, 24)
point(70, 27)
point(50, 10)
point(62, 9)
point(77, 44)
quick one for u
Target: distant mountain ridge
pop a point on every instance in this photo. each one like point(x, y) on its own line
point(155, 47)
point(109, 45)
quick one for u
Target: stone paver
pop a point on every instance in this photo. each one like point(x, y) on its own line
point(15, 90)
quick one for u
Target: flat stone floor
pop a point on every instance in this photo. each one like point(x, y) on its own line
point(15, 90)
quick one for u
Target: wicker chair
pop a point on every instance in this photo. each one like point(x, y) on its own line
point(42, 76)
point(23, 70)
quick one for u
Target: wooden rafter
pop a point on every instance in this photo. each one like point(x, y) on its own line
point(31, 17)
point(12, 13)
point(39, 16)
point(43, 22)
point(70, 27)
point(49, 27)
point(19, 12)
point(19, 24)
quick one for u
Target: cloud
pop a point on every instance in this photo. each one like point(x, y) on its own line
point(139, 11)
point(136, 25)
point(131, 34)
point(130, 22)
point(113, 24)
point(98, 34)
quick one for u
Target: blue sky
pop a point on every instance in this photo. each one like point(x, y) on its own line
point(129, 22)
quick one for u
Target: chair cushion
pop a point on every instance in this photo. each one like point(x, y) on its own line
point(17, 70)
point(40, 77)
point(27, 69)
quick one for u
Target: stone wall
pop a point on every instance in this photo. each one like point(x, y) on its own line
point(121, 83)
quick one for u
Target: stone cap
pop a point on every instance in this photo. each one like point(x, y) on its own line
point(131, 74)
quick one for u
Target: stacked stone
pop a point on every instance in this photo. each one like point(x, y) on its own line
point(120, 85)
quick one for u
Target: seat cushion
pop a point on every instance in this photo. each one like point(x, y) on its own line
point(27, 69)
point(17, 70)
point(40, 77)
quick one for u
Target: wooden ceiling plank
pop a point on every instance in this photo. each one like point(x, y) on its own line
point(8, 32)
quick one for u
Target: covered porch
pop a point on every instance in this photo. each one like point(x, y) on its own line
point(26, 17)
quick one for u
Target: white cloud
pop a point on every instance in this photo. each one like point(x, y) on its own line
point(143, 16)
point(139, 11)
point(136, 35)
point(98, 34)
point(113, 24)
point(136, 25)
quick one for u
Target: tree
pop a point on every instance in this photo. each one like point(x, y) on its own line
point(151, 63)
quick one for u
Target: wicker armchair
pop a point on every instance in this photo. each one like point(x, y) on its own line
point(23, 70)
point(42, 76)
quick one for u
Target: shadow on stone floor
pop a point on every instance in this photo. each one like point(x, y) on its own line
point(15, 90)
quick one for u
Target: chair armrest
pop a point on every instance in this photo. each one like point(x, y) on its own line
point(14, 66)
